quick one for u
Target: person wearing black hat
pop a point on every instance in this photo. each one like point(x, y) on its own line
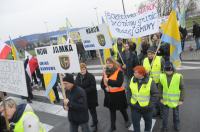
point(172, 95)
point(76, 104)
point(154, 66)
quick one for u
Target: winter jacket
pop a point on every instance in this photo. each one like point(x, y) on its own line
point(78, 109)
point(88, 83)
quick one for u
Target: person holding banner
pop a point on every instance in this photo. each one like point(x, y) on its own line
point(130, 61)
point(115, 98)
point(76, 104)
point(144, 47)
point(21, 117)
point(117, 48)
point(87, 81)
point(172, 95)
point(154, 66)
point(142, 95)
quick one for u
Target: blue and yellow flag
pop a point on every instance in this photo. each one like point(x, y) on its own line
point(50, 80)
point(15, 54)
point(171, 35)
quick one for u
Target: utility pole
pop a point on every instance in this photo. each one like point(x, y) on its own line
point(123, 7)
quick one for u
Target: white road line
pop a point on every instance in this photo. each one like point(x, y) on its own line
point(95, 71)
point(94, 66)
point(142, 125)
point(44, 107)
point(97, 78)
point(47, 127)
point(190, 62)
point(187, 68)
point(42, 92)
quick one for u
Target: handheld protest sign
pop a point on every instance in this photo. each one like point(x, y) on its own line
point(12, 77)
point(58, 59)
point(95, 38)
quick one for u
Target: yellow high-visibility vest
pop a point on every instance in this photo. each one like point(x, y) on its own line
point(171, 92)
point(155, 70)
point(19, 127)
point(141, 96)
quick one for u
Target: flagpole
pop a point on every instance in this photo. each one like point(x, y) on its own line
point(100, 57)
point(123, 7)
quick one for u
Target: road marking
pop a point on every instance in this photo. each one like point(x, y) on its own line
point(47, 127)
point(142, 125)
point(190, 62)
point(42, 92)
point(187, 68)
point(44, 107)
point(94, 66)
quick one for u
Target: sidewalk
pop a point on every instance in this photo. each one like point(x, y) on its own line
point(188, 55)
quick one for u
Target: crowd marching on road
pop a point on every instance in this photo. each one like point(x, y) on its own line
point(144, 81)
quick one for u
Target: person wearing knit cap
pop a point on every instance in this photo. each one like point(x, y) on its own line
point(142, 95)
point(154, 66)
point(76, 104)
point(172, 95)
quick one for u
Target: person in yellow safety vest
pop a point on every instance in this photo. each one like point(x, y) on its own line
point(154, 70)
point(115, 97)
point(21, 117)
point(172, 95)
point(142, 95)
point(117, 47)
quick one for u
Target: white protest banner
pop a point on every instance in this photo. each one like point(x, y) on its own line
point(12, 77)
point(133, 25)
point(58, 59)
point(97, 37)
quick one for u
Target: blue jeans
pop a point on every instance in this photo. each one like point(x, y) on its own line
point(74, 127)
point(197, 40)
point(136, 117)
point(176, 120)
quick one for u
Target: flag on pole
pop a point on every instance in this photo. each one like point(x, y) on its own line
point(15, 53)
point(171, 35)
point(50, 80)
point(5, 50)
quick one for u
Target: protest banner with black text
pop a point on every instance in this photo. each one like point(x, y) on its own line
point(97, 37)
point(58, 59)
point(133, 25)
point(12, 77)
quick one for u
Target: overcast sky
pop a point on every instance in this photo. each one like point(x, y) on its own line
point(24, 17)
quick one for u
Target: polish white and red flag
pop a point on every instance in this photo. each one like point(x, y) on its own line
point(5, 50)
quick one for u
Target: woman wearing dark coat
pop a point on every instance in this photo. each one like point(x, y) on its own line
point(87, 81)
point(115, 98)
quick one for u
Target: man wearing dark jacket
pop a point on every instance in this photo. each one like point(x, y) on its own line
point(87, 81)
point(142, 95)
point(76, 104)
point(196, 34)
point(130, 61)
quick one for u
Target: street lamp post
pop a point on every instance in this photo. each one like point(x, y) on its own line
point(97, 15)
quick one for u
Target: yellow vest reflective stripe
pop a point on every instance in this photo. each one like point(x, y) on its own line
point(171, 93)
point(141, 96)
point(155, 70)
point(19, 127)
point(115, 50)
